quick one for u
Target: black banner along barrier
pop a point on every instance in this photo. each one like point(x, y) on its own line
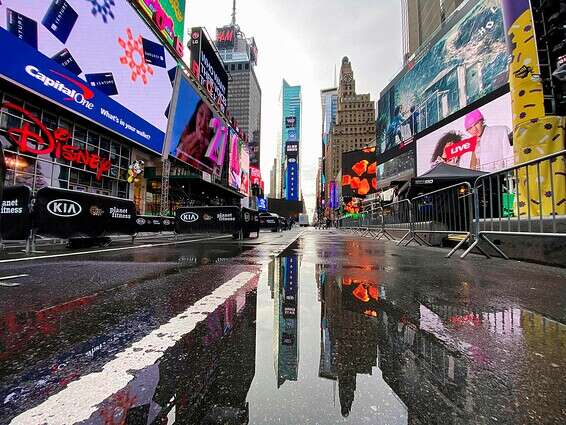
point(149, 223)
point(15, 221)
point(208, 220)
point(62, 213)
point(250, 222)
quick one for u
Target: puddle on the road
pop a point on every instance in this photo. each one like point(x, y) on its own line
point(322, 342)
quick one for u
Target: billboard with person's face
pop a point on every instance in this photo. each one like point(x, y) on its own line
point(197, 136)
point(479, 140)
point(465, 64)
point(103, 63)
point(235, 161)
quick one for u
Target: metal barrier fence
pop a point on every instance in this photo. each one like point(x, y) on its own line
point(447, 211)
point(528, 199)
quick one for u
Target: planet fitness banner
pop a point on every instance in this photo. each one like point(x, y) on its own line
point(197, 136)
point(467, 63)
point(103, 63)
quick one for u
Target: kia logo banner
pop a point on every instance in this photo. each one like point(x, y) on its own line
point(189, 217)
point(226, 220)
point(62, 213)
point(64, 208)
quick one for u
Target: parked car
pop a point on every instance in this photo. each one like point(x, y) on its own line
point(270, 221)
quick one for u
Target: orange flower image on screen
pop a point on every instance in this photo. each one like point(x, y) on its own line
point(346, 180)
point(355, 183)
point(374, 183)
point(364, 188)
point(372, 169)
point(360, 167)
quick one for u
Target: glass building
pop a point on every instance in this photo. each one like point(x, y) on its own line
point(291, 108)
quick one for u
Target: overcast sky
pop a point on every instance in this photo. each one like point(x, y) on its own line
point(302, 41)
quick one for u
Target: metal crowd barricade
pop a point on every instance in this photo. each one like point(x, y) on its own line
point(397, 217)
point(447, 211)
point(527, 199)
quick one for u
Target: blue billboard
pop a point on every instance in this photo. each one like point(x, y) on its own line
point(104, 64)
point(292, 180)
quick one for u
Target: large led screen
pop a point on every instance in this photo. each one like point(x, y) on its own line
point(479, 140)
point(359, 173)
point(245, 172)
point(101, 62)
point(235, 161)
point(399, 168)
point(467, 63)
point(196, 135)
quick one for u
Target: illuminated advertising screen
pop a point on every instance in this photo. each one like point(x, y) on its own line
point(245, 171)
point(234, 164)
point(102, 63)
point(292, 180)
point(478, 140)
point(226, 37)
point(290, 122)
point(401, 167)
point(359, 173)
point(292, 149)
point(196, 136)
point(255, 176)
point(208, 69)
point(465, 64)
point(168, 16)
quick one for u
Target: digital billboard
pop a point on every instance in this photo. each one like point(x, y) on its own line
point(401, 167)
point(196, 135)
point(208, 69)
point(290, 122)
point(359, 173)
point(292, 149)
point(226, 37)
point(234, 164)
point(479, 140)
point(102, 63)
point(245, 172)
point(292, 180)
point(465, 64)
point(168, 16)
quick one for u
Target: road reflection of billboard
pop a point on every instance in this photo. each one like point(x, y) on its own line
point(286, 314)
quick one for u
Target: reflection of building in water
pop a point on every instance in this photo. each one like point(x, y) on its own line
point(348, 338)
point(286, 315)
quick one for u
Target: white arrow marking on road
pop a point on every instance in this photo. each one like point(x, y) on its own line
point(80, 399)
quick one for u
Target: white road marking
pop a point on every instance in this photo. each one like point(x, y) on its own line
point(98, 251)
point(80, 399)
point(15, 276)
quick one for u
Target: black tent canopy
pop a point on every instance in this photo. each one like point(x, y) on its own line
point(440, 176)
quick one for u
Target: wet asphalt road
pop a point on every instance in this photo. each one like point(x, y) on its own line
point(329, 329)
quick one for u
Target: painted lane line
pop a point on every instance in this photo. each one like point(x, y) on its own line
point(81, 398)
point(15, 276)
point(98, 251)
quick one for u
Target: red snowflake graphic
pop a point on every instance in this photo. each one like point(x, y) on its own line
point(134, 57)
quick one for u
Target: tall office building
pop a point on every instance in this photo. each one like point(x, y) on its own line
point(355, 123)
point(289, 150)
point(421, 18)
point(239, 55)
point(273, 179)
point(329, 107)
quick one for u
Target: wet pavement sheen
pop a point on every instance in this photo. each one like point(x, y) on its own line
point(332, 330)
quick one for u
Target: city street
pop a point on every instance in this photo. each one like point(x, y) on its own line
point(305, 326)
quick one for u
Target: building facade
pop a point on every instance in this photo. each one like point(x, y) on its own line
point(239, 55)
point(329, 107)
point(289, 149)
point(421, 18)
point(354, 127)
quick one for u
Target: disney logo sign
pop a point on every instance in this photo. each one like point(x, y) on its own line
point(45, 142)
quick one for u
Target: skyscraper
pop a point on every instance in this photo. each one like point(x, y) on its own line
point(354, 127)
point(329, 107)
point(239, 55)
point(289, 151)
point(421, 18)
